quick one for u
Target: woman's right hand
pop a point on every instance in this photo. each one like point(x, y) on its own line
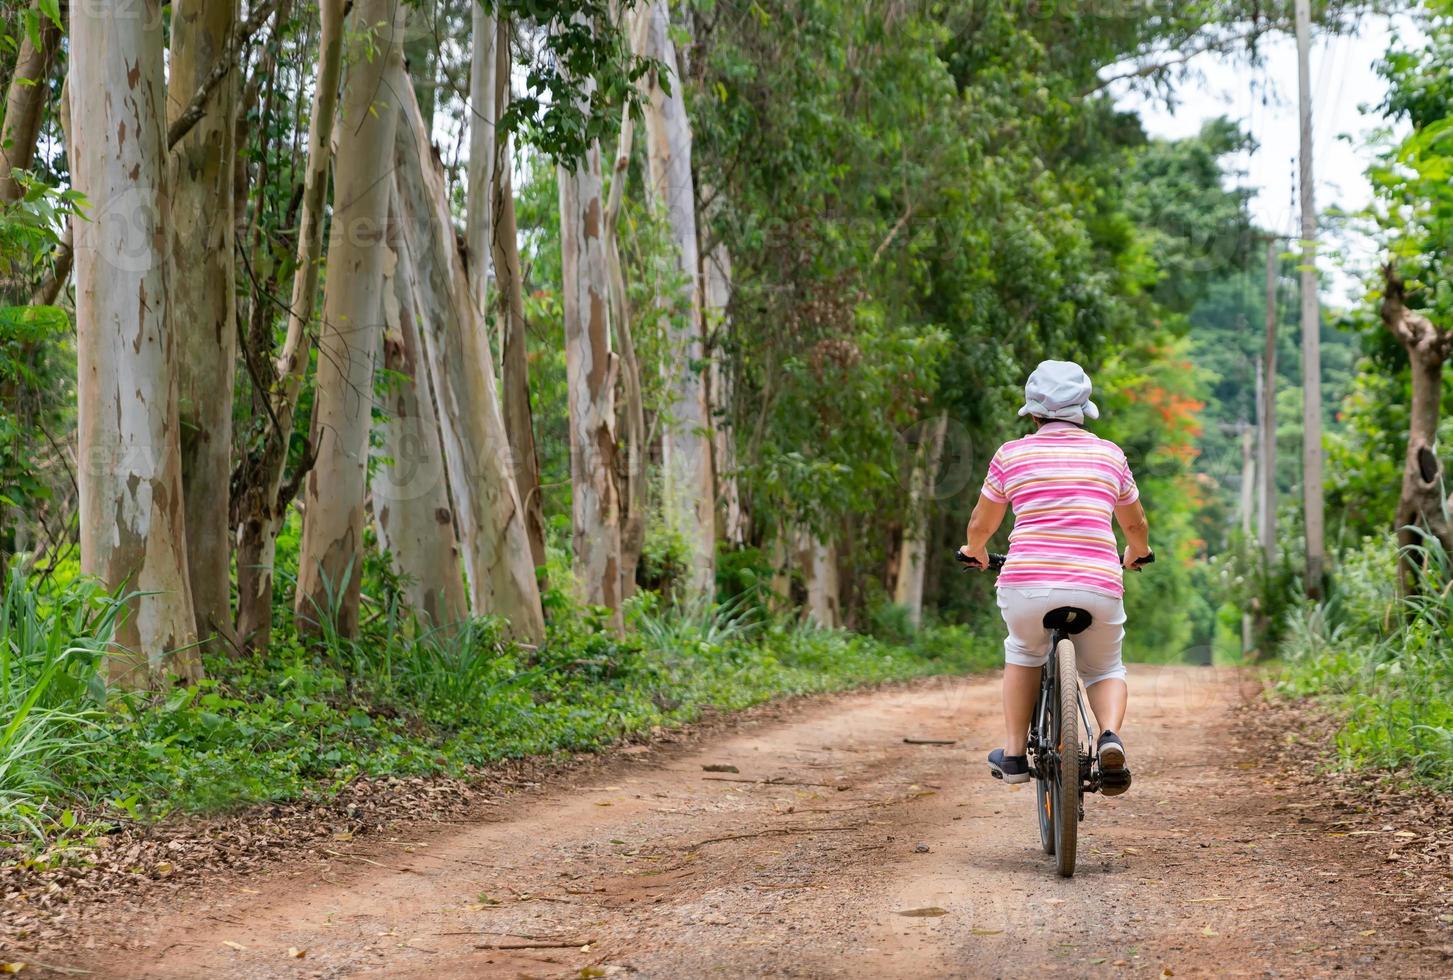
point(978, 559)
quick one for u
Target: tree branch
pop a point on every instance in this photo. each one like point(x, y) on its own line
point(1181, 57)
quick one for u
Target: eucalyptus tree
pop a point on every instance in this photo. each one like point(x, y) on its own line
point(498, 563)
point(133, 530)
point(201, 302)
point(264, 497)
point(330, 558)
point(688, 491)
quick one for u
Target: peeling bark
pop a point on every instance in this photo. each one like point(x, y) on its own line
point(201, 302)
point(262, 507)
point(133, 529)
point(687, 492)
point(590, 370)
point(497, 559)
point(412, 516)
point(509, 282)
point(912, 557)
point(717, 275)
point(331, 554)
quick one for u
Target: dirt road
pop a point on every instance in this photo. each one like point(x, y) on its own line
point(655, 866)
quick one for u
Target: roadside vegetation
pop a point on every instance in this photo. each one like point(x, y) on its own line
point(1376, 651)
point(399, 698)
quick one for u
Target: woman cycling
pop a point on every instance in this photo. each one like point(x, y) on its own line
point(1064, 483)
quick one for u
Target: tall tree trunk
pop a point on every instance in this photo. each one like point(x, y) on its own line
point(632, 466)
point(133, 528)
point(497, 556)
point(1421, 505)
point(509, 282)
point(717, 276)
point(479, 200)
point(202, 302)
point(913, 555)
point(331, 554)
point(590, 369)
point(263, 505)
point(688, 491)
point(411, 509)
point(25, 102)
point(818, 561)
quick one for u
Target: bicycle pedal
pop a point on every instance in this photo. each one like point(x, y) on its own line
point(1114, 782)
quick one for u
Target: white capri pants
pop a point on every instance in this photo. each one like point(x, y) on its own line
point(1097, 649)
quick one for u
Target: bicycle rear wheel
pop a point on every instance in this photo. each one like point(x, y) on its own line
point(1067, 758)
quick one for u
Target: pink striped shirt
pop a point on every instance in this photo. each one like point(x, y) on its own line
point(1064, 484)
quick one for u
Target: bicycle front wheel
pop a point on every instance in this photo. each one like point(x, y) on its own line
point(1067, 758)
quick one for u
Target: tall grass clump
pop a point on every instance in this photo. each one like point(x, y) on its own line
point(1383, 662)
point(51, 690)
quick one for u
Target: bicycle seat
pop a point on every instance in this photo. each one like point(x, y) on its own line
point(1068, 620)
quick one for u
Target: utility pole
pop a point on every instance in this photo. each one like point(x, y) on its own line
point(1248, 507)
point(1311, 322)
point(1267, 415)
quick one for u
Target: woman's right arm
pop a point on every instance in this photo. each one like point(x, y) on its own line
point(1132, 521)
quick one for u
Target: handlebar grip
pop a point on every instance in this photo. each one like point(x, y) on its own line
point(1140, 563)
point(996, 562)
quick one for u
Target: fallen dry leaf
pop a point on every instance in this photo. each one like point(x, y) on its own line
point(719, 767)
point(15, 967)
point(296, 953)
point(987, 932)
point(931, 911)
point(1208, 931)
point(231, 945)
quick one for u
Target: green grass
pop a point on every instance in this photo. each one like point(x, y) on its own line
point(1384, 664)
point(308, 717)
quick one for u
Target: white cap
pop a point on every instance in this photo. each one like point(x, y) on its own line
point(1059, 390)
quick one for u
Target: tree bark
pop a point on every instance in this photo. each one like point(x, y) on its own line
point(590, 370)
point(631, 466)
point(509, 282)
point(913, 555)
point(497, 558)
point(483, 106)
point(330, 557)
point(818, 561)
point(717, 276)
point(411, 509)
point(25, 103)
point(1421, 504)
point(687, 493)
point(133, 528)
point(262, 507)
point(202, 302)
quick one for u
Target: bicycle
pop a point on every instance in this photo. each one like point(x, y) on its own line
point(1063, 759)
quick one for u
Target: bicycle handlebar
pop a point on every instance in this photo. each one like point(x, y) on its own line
point(996, 562)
